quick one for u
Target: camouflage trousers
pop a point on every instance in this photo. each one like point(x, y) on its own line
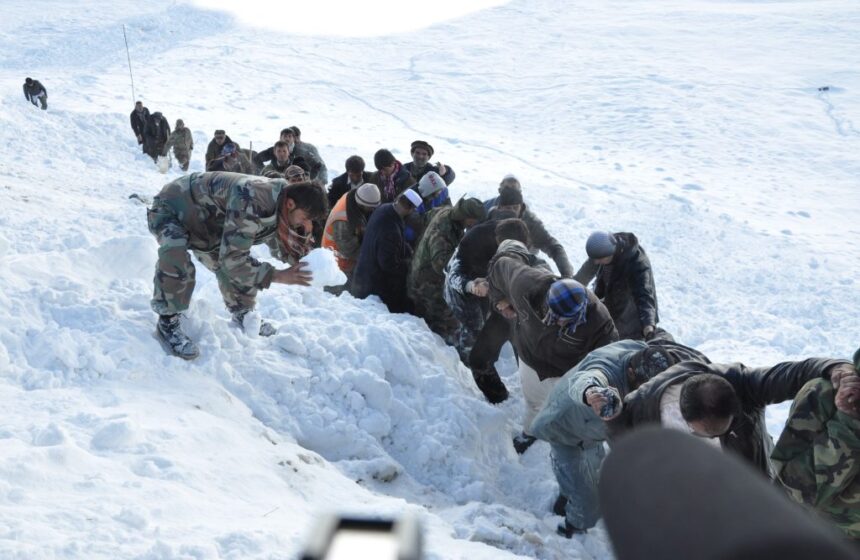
point(175, 272)
point(431, 306)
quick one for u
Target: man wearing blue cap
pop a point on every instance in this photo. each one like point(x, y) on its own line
point(556, 322)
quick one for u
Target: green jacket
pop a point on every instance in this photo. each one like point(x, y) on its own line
point(817, 457)
point(427, 271)
point(225, 214)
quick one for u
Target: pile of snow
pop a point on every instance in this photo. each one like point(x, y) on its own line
point(720, 154)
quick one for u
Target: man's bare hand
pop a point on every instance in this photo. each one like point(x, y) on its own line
point(839, 372)
point(506, 310)
point(480, 287)
point(295, 275)
point(442, 169)
point(848, 396)
point(599, 397)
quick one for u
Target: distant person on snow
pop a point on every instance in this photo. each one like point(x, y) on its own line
point(231, 160)
point(354, 177)
point(420, 165)
point(308, 152)
point(155, 135)
point(182, 143)
point(540, 237)
point(36, 93)
point(213, 150)
point(139, 117)
point(219, 217)
point(623, 281)
point(390, 176)
point(383, 262)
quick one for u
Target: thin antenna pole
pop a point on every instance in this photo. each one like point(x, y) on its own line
point(128, 56)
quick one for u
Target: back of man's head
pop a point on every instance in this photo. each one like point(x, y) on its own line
point(512, 228)
point(510, 182)
point(707, 398)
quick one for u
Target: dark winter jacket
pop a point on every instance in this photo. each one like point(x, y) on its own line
point(755, 387)
point(626, 286)
point(549, 351)
point(138, 121)
point(213, 150)
point(340, 186)
point(34, 89)
point(383, 262)
point(156, 131)
point(418, 221)
point(402, 181)
point(428, 167)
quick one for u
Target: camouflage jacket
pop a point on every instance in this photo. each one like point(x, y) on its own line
point(181, 140)
point(817, 457)
point(434, 250)
point(224, 215)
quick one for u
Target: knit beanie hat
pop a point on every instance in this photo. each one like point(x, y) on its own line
point(383, 158)
point(430, 184)
point(368, 195)
point(509, 197)
point(421, 144)
point(600, 244)
point(469, 208)
point(566, 299)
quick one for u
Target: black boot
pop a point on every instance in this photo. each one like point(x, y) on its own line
point(559, 505)
point(266, 328)
point(523, 442)
point(170, 332)
point(567, 530)
point(489, 382)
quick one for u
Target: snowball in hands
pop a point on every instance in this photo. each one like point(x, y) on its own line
point(323, 266)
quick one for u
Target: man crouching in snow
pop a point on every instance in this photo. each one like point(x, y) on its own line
point(219, 216)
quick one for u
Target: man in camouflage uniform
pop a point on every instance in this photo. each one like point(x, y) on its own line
point(219, 216)
point(182, 143)
point(817, 457)
point(307, 152)
point(427, 272)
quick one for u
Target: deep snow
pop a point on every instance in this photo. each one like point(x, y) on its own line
point(697, 125)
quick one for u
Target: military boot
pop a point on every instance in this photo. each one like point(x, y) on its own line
point(170, 332)
point(266, 328)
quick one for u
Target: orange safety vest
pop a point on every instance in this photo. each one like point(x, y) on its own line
point(338, 214)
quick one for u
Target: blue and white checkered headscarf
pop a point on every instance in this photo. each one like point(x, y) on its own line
point(566, 299)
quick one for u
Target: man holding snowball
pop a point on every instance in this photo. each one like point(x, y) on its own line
point(219, 217)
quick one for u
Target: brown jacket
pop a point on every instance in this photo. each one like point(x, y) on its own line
point(542, 347)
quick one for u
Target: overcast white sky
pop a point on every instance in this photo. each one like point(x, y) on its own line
point(347, 18)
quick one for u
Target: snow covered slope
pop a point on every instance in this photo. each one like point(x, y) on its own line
point(697, 125)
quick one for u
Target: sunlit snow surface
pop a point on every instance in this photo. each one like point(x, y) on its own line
point(697, 125)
